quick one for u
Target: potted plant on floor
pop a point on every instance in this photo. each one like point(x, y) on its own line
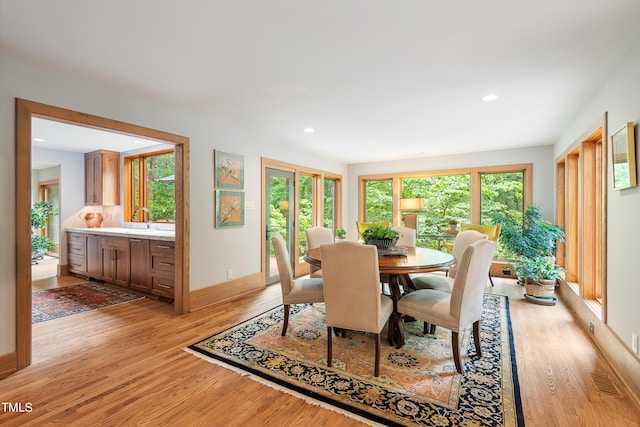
point(40, 214)
point(341, 233)
point(532, 242)
point(380, 236)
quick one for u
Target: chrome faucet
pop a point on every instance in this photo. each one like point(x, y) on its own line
point(148, 216)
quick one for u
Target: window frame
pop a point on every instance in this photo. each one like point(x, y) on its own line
point(128, 181)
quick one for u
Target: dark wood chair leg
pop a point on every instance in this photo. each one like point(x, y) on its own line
point(456, 351)
point(491, 279)
point(398, 331)
point(329, 345)
point(476, 337)
point(432, 329)
point(376, 371)
point(425, 328)
point(286, 320)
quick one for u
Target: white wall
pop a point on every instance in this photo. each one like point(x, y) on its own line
point(620, 97)
point(213, 251)
point(541, 157)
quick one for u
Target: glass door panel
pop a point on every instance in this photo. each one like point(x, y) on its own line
point(279, 204)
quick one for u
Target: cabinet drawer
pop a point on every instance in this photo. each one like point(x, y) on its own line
point(162, 286)
point(76, 238)
point(115, 242)
point(77, 249)
point(162, 247)
point(164, 264)
point(77, 263)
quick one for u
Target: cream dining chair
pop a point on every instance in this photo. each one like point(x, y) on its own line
point(492, 232)
point(459, 309)
point(407, 236)
point(300, 291)
point(442, 282)
point(352, 296)
point(317, 236)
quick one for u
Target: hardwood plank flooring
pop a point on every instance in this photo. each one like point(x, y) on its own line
point(124, 365)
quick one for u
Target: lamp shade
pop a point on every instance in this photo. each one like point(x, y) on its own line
point(411, 204)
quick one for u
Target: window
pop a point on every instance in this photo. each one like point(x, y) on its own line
point(330, 189)
point(378, 200)
point(581, 184)
point(149, 185)
point(474, 195)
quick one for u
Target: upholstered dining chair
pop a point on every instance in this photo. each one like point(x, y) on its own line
point(492, 232)
point(407, 236)
point(352, 296)
point(317, 236)
point(300, 291)
point(442, 282)
point(458, 309)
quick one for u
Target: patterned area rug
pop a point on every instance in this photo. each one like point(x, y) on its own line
point(60, 302)
point(418, 384)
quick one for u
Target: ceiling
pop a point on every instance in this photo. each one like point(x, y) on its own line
point(376, 79)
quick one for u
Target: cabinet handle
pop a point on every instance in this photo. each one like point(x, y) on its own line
point(165, 263)
point(164, 247)
point(160, 285)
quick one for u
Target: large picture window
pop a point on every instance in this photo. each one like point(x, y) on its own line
point(472, 195)
point(149, 187)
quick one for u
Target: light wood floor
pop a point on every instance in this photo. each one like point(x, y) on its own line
point(124, 365)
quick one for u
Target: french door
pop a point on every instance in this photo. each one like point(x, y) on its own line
point(279, 210)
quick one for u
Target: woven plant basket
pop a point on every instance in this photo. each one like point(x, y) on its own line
point(545, 289)
point(383, 243)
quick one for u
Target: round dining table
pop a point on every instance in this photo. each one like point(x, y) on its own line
point(398, 267)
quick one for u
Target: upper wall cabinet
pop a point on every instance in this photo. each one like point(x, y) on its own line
point(102, 178)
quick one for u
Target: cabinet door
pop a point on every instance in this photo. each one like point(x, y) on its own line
point(114, 253)
point(92, 181)
point(93, 256)
point(139, 278)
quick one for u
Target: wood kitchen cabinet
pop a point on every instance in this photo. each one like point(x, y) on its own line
point(114, 253)
point(142, 264)
point(102, 178)
point(139, 261)
point(162, 268)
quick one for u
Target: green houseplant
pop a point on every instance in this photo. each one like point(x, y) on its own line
point(380, 236)
point(40, 214)
point(532, 244)
point(341, 233)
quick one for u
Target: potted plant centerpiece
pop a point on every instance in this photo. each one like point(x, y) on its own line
point(532, 243)
point(341, 233)
point(380, 236)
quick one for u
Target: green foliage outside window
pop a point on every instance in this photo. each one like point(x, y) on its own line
point(161, 199)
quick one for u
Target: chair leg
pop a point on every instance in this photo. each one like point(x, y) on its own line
point(329, 345)
point(376, 371)
point(456, 351)
point(432, 329)
point(398, 330)
point(286, 320)
point(425, 328)
point(476, 337)
point(491, 279)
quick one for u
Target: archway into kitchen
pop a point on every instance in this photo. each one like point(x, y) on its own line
point(26, 111)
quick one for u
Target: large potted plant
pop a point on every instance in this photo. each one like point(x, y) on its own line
point(40, 214)
point(532, 243)
point(380, 236)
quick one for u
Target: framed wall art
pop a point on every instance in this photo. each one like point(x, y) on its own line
point(229, 208)
point(623, 157)
point(229, 170)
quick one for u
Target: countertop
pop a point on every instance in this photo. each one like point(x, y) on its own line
point(140, 233)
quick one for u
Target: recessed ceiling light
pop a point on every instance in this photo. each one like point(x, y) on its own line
point(490, 97)
point(38, 139)
point(309, 130)
point(135, 141)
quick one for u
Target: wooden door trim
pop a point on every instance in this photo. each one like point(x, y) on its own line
point(25, 110)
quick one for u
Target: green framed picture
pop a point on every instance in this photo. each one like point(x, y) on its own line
point(229, 170)
point(229, 208)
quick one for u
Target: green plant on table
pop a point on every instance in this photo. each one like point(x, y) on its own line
point(379, 232)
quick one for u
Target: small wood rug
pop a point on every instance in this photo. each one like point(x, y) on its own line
point(60, 302)
point(417, 385)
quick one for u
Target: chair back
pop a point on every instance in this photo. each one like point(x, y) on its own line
point(470, 282)
point(463, 239)
point(284, 266)
point(492, 231)
point(317, 236)
point(351, 286)
point(407, 236)
point(361, 226)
